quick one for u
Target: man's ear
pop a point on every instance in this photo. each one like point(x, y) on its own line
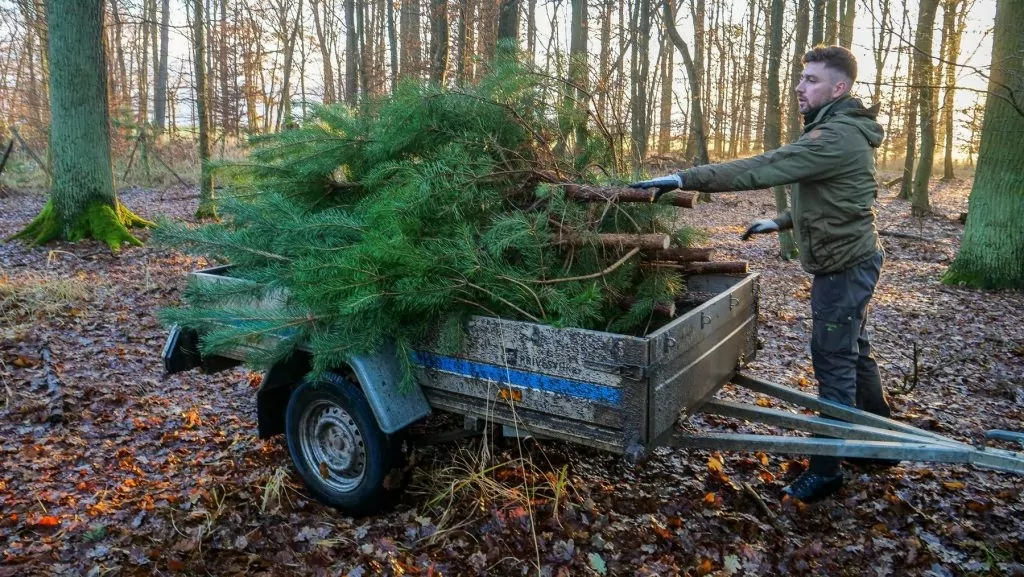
point(842, 86)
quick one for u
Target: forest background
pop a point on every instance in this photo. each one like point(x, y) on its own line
point(142, 475)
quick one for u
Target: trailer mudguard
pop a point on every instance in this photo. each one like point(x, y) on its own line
point(378, 375)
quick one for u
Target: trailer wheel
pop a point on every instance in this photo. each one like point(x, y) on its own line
point(338, 449)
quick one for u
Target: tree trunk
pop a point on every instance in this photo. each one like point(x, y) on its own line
point(847, 14)
point(992, 251)
point(907, 186)
point(665, 114)
point(325, 50)
point(818, 20)
point(411, 48)
point(531, 29)
point(640, 74)
point(578, 68)
point(463, 44)
point(438, 41)
point(959, 9)
point(393, 45)
point(284, 106)
point(773, 119)
point(508, 21)
point(831, 30)
point(207, 207)
point(604, 70)
point(351, 54)
point(748, 81)
point(82, 201)
point(697, 114)
point(803, 17)
point(920, 204)
point(160, 90)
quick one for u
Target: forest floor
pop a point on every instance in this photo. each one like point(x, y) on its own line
point(147, 475)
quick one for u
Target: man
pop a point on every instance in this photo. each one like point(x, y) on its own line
point(832, 170)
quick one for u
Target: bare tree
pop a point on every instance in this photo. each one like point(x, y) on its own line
point(207, 207)
point(160, 90)
point(696, 114)
point(438, 40)
point(920, 204)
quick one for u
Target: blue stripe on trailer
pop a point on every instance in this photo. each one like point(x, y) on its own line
point(522, 379)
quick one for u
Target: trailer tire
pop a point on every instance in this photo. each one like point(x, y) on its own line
point(343, 457)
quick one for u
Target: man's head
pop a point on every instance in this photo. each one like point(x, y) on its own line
point(829, 72)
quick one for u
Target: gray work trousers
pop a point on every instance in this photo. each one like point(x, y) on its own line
point(840, 350)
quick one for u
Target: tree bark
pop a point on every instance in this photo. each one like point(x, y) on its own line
point(665, 112)
point(958, 13)
point(992, 251)
point(803, 24)
point(847, 14)
point(411, 46)
point(160, 90)
point(640, 72)
point(907, 186)
point(325, 51)
point(351, 54)
point(920, 204)
point(438, 41)
point(818, 21)
point(773, 119)
point(831, 29)
point(207, 207)
point(584, 193)
point(697, 113)
point(578, 69)
point(508, 21)
point(641, 241)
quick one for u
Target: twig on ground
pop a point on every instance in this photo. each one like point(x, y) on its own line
point(761, 505)
point(54, 388)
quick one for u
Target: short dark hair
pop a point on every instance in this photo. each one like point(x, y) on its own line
point(834, 57)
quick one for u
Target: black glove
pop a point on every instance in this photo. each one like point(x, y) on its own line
point(760, 227)
point(661, 185)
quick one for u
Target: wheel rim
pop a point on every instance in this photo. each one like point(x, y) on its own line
point(332, 445)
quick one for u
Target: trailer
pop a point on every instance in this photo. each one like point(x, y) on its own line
point(619, 393)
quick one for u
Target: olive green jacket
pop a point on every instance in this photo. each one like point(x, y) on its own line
point(832, 170)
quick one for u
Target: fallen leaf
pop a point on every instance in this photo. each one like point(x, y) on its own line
point(705, 567)
point(714, 465)
point(48, 521)
point(953, 485)
point(597, 563)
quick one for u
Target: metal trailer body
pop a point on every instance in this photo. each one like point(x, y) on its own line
point(614, 392)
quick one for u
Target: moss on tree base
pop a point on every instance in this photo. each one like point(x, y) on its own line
point(99, 220)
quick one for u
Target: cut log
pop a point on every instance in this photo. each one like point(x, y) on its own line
point(717, 267)
point(663, 309)
point(690, 299)
point(585, 193)
point(642, 241)
point(679, 254)
point(54, 389)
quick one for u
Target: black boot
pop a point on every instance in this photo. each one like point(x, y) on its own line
point(810, 487)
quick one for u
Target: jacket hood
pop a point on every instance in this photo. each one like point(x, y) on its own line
point(851, 111)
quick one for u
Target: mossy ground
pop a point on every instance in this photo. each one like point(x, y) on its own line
point(99, 220)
